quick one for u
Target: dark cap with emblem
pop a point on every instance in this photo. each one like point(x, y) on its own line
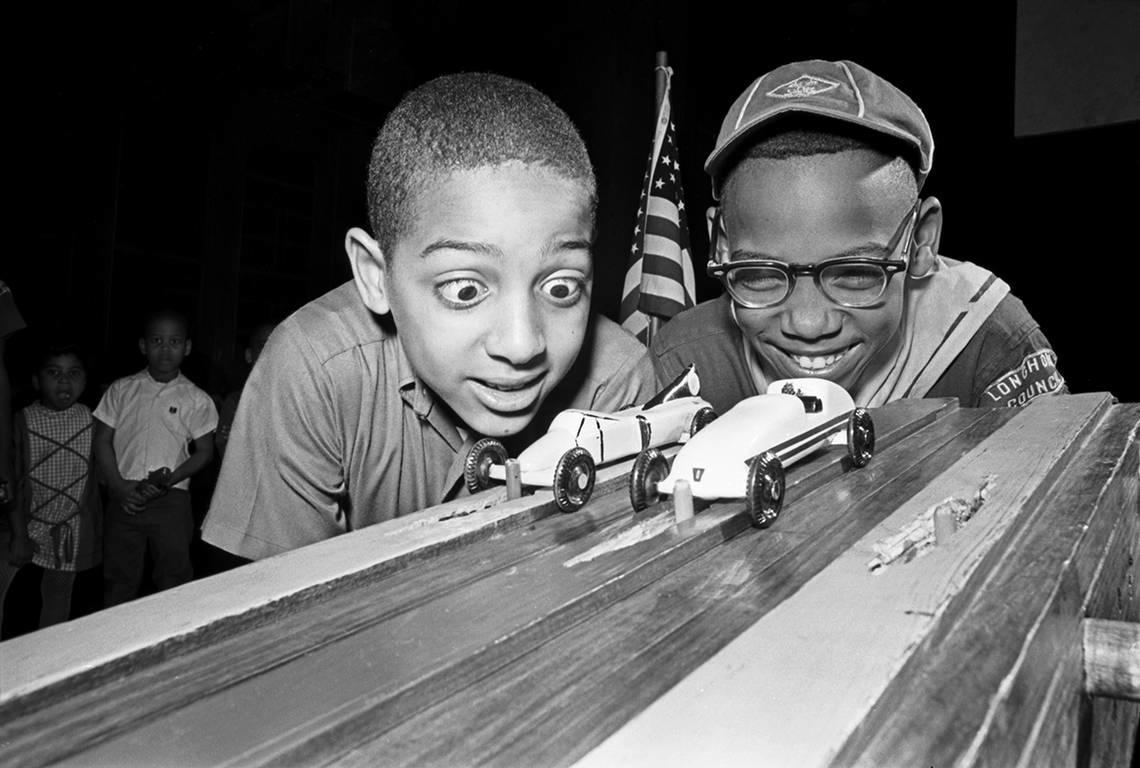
point(842, 90)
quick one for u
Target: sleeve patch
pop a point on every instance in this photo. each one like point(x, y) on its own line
point(1037, 375)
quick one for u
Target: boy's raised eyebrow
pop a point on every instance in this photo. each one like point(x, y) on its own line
point(570, 244)
point(461, 245)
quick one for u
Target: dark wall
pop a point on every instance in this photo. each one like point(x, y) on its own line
point(214, 156)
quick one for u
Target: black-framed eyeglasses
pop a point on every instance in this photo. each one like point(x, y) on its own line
point(857, 281)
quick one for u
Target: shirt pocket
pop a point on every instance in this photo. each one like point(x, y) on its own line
point(173, 418)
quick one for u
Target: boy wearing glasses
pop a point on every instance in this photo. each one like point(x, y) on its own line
point(829, 257)
point(469, 316)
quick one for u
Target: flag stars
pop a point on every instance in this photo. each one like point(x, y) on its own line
point(659, 183)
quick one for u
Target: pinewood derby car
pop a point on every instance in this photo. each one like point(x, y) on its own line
point(744, 454)
point(565, 458)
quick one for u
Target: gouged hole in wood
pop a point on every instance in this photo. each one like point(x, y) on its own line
point(931, 527)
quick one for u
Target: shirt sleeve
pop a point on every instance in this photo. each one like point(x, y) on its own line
point(109, 405)
point(282, 482)
point(203, 416)
point(1009, 362)
point(1024, 371)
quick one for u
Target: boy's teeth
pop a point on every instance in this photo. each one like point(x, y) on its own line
point(816, 363)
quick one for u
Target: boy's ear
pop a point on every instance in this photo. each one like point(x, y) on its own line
point(369, 269)
point(927, 236)
point(189, 346)
point(142, 346)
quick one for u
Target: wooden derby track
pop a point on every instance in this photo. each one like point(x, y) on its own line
point(501, 632)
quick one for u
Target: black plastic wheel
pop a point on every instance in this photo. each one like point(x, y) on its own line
point(701, 419)
point(573, 479)
point(765, 492)
point(477, 465)
point(649, 468)
point(860, 437)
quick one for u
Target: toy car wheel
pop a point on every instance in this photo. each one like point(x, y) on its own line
point(765, 495)
point(860, 437)
point(649, 468)
point(701, 419)
point(477, 465)
point(573, 479)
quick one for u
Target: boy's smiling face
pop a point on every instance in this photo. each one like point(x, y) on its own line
point(490, 290)
point(806, 210)
point(60, 381)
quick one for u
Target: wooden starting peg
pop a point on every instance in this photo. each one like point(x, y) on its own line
point(514, 479)
point(682, 502)
point(945, 525)
point(1112, 658)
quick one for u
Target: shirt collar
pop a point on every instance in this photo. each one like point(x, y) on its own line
point(422, 401)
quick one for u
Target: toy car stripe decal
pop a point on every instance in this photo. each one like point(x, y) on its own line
point(790, 446)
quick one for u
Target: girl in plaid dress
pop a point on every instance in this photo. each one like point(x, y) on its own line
point(56, 518)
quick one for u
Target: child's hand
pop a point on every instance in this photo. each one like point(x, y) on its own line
point(127, 495)
point(155, 485)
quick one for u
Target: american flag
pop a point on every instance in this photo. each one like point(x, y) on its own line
point(659, 281)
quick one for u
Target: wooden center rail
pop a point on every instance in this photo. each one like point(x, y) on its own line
point(489, 631)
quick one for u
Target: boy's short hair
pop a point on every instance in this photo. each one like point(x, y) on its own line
point(849, 99)
point(806, 135)
point(466, 121)
point(164, 313)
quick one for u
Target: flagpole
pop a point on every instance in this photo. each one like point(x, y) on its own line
point(660, 82)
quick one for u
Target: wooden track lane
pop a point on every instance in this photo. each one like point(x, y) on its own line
point(795, 685)
point(1069, 558)
point(552, 706)
point(295, 638)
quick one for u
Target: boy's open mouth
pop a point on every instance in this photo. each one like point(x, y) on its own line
point(508, 395)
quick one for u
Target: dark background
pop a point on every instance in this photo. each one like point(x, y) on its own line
point(214, 154)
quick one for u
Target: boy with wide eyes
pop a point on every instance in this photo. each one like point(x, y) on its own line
point(468, 316)
point(829, 258)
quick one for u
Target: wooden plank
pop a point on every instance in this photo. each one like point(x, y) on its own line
point(232, 602)
point(116, 703)
point(551, 706)
point(794, 687)
point(1016, 643)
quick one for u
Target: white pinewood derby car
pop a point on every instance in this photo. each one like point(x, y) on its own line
point(566, 456)
point(743, 455)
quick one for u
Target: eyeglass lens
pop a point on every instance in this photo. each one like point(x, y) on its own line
point(851, 285)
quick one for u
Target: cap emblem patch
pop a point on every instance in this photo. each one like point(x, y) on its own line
point(804, 85)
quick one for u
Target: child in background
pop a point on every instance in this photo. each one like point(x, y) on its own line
point(55, 518)
point(257, 339)
point(144, 426)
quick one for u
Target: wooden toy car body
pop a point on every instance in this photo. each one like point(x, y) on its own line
point(578, 440)
point(744, 453)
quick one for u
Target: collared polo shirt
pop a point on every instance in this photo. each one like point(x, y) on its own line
point(334, 431)
point(155, 422)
